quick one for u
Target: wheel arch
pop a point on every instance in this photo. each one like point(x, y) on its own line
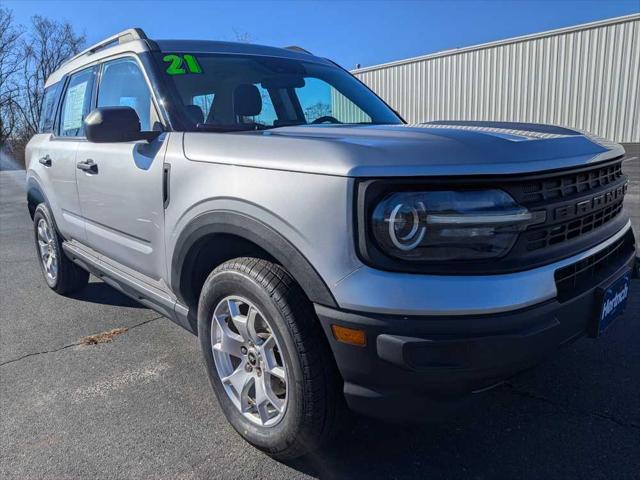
point(35, 196)
point(231, 234)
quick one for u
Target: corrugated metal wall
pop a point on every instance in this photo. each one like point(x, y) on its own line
point(345, 110)
point(585, 77)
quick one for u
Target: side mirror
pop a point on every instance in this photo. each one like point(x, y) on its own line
point(115, 124)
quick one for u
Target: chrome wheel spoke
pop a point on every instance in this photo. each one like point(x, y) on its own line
point(239, 380)
point(268, 344)
point(265, 396)
point(263, 412)
point(41, 234)
point(277, 372)
point(44, 247)
point(229, 343)
point(251, 325)
point(47, 233)
point(270, 362)
point(245, 324)
point(225, 340)
point(236, 317)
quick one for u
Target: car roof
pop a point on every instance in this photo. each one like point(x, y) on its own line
point(134, 40)
point(211, 46)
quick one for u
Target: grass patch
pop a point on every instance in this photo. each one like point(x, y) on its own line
point(104, 337)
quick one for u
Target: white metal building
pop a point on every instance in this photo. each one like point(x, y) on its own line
point(586, 77)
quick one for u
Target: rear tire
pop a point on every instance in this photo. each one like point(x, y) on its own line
point(308, 407)
point(61, 274)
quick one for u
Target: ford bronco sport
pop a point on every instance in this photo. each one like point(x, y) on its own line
point(326, 254)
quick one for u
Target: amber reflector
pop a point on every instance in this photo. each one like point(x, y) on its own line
point(349, 335)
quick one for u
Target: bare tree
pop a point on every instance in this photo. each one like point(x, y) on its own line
point(241, 36)
point(317, 110)
point(9, 66)
point(49, 44)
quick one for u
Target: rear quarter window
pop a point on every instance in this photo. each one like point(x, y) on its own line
point(49, 105)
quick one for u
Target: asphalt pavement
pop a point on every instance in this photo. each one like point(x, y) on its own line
point(141, 406)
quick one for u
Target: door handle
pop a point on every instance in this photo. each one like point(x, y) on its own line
point(88, 166)
point(46, 160)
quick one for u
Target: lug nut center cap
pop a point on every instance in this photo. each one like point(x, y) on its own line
point(253, 358)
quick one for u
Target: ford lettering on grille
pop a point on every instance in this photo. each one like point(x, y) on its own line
point(589, 205)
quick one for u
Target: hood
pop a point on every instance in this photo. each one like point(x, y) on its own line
point(433, 149)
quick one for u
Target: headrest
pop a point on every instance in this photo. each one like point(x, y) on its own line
point(247, 101)
point(195, 113)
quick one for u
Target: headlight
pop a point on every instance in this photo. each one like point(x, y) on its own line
point(449, 225)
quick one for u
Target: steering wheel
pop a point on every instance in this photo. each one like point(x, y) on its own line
point(325, 119)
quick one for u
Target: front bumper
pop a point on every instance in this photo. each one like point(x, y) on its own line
point(376, 291)
point(411, 359)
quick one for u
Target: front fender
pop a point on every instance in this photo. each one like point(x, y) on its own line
point(251, 229)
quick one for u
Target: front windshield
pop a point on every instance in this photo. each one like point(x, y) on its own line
point(250, 92)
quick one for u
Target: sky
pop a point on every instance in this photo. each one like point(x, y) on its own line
point(349, 32)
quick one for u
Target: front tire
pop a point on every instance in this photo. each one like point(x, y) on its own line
point(268, 361)
point(61, 274)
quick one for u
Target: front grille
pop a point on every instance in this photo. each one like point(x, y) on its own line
point(578, 277)
point(568, 185)
point(554, 234)
point(576, 204)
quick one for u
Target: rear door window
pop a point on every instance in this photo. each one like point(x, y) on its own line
point(77, 103)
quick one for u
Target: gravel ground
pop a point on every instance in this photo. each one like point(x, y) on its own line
point(140, 406)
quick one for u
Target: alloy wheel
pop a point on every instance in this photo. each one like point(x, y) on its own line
point(249, 361)
point(47, 250)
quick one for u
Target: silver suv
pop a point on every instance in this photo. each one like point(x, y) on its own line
point(328, 256)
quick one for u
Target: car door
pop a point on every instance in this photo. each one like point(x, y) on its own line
point(58, 153)
point(121, 194)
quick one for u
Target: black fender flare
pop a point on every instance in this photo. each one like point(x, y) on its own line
point(34, 186)
point(251, 229)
